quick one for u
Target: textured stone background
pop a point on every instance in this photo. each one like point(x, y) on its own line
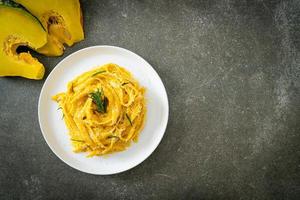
point(232, 73)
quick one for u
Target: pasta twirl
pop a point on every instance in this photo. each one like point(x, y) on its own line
point(104, 110)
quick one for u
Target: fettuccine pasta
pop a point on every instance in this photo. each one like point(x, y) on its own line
point(103, 109)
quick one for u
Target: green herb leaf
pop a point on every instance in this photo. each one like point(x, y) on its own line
point(99, 72)
point(77, 140)
point(63, 114)
point(112, 136)
point(100, 100)
point(105, 103)
point(128, 119)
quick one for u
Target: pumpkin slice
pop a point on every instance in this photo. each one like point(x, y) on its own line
point(20, 28)
point(62, 21)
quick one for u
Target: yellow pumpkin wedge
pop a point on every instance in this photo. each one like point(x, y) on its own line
point(20, 28)
point(62, 20)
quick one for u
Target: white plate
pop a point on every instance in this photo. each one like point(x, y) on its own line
point(55, 131)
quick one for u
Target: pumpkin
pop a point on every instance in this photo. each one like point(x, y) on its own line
point(61, 19)
point(20, 28)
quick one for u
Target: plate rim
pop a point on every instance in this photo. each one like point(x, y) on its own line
point(164, 126)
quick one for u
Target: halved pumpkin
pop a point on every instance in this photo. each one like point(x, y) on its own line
point(19, 28)
point(62, 20)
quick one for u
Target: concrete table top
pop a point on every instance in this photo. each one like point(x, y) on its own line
point(232, 74)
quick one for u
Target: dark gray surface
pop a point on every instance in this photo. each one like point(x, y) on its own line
point(232, 73)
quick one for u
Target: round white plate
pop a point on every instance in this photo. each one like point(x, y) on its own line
point(56, 133)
